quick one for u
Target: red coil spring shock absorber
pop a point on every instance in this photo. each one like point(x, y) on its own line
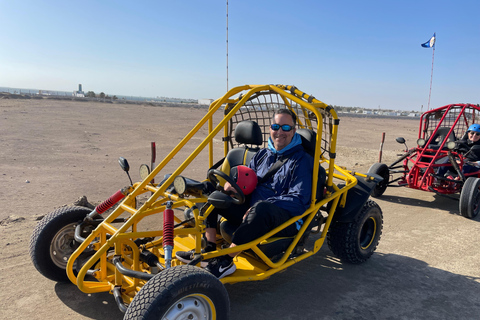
point(168, 233)
point(110, 202)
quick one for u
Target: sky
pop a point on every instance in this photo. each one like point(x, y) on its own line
point(348, 53)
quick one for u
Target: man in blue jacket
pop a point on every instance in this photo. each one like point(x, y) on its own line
point(283, 195)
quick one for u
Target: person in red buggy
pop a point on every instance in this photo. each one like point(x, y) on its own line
point(469, 146)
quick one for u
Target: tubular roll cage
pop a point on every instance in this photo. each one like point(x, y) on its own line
point(248, 102)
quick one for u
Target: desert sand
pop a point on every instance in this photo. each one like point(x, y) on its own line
point(53, 152)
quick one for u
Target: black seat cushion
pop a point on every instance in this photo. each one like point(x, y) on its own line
point(309, 142)
point(246, 132)
point(440, 136)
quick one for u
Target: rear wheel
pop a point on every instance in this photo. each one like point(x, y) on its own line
point(382, 170)
point(355, 241)
point(470, 198)
point(53, 241)
point(181, 292)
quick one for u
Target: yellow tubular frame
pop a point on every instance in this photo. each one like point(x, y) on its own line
point(106, 236)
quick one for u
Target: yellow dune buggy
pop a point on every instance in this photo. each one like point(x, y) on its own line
point(131, 254)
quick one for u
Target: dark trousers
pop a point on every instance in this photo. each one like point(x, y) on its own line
point(263, 217)
point(466, 169)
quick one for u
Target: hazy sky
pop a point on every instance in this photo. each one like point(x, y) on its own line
point(348, 53)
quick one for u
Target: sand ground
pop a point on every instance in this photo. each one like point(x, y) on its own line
point(52, 152)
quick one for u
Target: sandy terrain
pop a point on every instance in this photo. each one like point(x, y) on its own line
point(52, 152)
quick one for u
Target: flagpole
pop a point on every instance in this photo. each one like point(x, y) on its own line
point(431, 77)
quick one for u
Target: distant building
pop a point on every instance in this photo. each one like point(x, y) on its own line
point(205, 101)
point(79, 93)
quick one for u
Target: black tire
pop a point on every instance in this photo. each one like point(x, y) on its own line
point(382, 170)
point(52, 241)
point(354, 242)
point(181, 292)
point(470, 198)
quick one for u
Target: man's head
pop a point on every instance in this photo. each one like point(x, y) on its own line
point(282, 128)
point(474, 132)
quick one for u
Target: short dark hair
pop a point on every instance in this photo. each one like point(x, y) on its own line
point(286, 111)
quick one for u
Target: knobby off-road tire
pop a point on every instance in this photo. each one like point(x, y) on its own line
point(354, 242)
point(470, 198)
point(52, 241)
point(181, 292)
point(382, 170)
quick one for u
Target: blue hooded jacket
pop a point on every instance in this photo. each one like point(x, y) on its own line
point(290, 187)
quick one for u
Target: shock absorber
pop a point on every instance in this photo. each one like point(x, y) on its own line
point(101, 208)
point(168, 234)
point(110, 202)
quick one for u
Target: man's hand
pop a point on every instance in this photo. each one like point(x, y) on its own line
point(229, 188)
point(475, 163)
point(246, 213)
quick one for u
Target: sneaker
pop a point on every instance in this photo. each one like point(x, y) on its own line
point(187, 257)
point(221, 266)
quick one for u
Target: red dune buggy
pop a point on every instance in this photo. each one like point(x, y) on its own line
point(437, 163)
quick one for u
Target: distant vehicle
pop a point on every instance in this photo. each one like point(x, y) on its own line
point(437, 151)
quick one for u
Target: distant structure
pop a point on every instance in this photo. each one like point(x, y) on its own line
point(79, 93)
point(205, 101)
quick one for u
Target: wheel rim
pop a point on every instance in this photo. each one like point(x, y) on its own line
point(63, 245)
point(195, 306)
point(367, 234)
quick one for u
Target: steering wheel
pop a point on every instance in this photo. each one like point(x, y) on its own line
point(238, 198)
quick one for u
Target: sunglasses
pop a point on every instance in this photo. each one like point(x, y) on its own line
point(285, 127)
point(475, 133)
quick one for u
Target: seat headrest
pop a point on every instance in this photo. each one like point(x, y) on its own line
point(248, 132)
point(442, 135)
point(308, 140)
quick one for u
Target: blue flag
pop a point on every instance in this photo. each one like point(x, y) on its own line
point(430, 43)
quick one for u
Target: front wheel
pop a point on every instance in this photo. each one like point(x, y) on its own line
point(53, 241)
point(355, 241)
point(382, 170)
point(181, 292)
point(470, 198)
